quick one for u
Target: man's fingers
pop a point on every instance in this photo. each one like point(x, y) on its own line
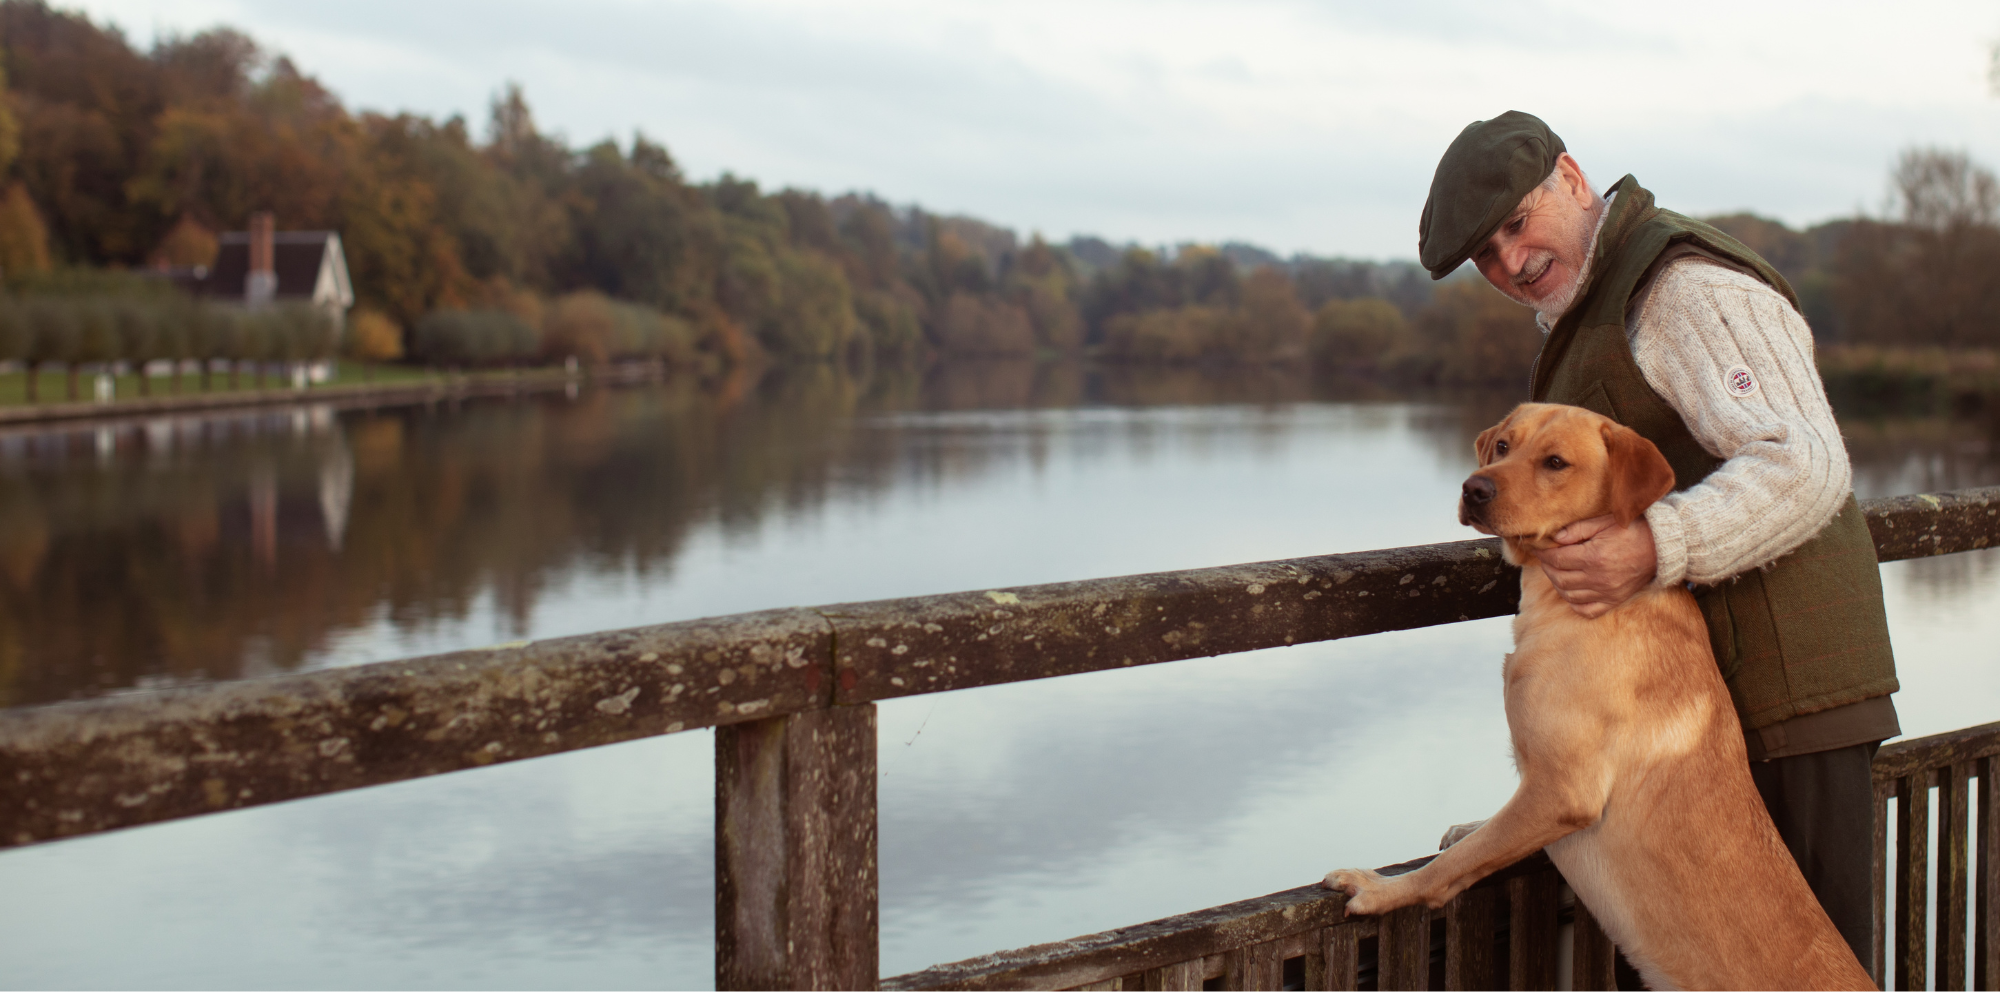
point(1584, 530)
point(1564, 578)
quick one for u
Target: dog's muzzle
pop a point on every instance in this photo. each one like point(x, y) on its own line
point(1477, 492)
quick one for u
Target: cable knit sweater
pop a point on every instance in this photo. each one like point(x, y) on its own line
point(1693, 332)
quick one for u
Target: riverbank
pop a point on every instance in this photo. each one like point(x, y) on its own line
point(381, 383)
point(1875, 382)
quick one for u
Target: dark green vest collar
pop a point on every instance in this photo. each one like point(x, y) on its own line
point(1634, 239)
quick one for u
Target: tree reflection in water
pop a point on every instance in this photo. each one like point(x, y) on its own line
point(228, 545)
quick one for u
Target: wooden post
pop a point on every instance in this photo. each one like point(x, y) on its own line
point(1257, 966)
point(1343, 958)
point(1877, 877)
point(795, 841)
point(1403, 958)
point(1593, 958)
point(1949, 959)
point(1913, 866)
point(1468, 943)
point(1533, 901)
point(1986, 906)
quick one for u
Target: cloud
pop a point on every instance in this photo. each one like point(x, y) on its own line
point(1295, 125)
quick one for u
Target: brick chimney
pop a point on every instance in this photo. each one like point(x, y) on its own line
point(261, 285)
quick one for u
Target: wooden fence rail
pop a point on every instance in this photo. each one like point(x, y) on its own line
point(1506, 931)
point(793, 691)
point(1905, 903)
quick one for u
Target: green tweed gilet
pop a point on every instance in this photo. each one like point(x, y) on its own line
point(1806, 634)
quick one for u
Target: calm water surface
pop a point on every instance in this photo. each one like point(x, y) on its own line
point(231, 546)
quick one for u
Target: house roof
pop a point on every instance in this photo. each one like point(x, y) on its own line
point(310, 265)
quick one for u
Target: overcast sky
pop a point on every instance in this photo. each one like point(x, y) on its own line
point(1301, 127)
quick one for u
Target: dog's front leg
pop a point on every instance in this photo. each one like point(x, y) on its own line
point(1545, 809)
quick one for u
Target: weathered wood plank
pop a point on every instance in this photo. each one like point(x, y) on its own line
point(1180, 976)
point(1913, 836)
point(795, 852)
point(1257, 966)
point(1404, 958)
point(1593, 959)
point(1128, 950)
point(1903, 758)
point(1878, 881)
point(927, 644)
point(1343, 958)
point(1922, 525)
point(1533, 903)
point(1986, 883)
point(1952, 853)
point(70, 769)
point(78, 768)
point(1148, 946)
point(1471, 926)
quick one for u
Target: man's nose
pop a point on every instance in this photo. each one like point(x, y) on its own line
point(1478, 490)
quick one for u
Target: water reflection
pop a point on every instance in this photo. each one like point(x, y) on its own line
point(219, 546)
point(230, 545)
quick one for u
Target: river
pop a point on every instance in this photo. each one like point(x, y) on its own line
point(230, 545)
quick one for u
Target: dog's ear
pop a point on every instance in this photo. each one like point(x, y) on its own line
point(1635, 472)
point(1484, 446)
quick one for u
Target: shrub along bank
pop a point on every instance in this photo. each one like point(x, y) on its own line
point(72, 333)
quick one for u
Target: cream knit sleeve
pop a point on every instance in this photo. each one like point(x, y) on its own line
point(1736, 361)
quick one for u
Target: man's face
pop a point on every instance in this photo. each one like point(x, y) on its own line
point(1537, 254)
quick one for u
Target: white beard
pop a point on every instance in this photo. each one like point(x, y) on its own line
point(1550, 308)
point(1553, 306)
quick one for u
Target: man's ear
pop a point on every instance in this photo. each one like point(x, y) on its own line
point(1635, 473)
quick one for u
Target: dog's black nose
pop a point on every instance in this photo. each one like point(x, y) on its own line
point(1478, 490)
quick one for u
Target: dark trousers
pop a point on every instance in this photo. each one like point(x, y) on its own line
point(1823, 806)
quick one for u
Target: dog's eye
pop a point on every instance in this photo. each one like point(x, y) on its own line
point(1556, 463)
point(1500, 447)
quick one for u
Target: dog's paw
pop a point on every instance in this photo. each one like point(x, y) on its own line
point(1459, 833)
point(1367, 892)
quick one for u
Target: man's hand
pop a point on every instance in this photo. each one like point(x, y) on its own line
point(1600, 564)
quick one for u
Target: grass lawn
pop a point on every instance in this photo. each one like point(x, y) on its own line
point(54, 383)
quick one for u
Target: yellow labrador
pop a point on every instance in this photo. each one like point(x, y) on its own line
point(1633, 772)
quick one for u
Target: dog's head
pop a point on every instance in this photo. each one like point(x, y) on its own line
point(1548, 466)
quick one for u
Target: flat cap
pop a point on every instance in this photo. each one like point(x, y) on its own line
point(1489, 167)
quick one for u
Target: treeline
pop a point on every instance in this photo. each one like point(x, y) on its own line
point(508, 245)
point(114, 157)
point(139, 158)
point(1925, 275)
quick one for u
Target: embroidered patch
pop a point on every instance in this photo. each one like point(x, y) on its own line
point(1739, 382)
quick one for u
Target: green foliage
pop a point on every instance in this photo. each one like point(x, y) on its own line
point(17, 333)
point(1257, 320)
point(1356, 334)
point(1471, 333)
point(973, 325)
point(140, 328)
point(596, 329)
point(460, 338)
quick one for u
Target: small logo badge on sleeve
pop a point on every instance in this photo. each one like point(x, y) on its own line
point(1739, 382)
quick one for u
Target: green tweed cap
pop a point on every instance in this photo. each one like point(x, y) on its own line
point(1489, 167)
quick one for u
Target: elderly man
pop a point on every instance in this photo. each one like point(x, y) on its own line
point(1675, 329)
